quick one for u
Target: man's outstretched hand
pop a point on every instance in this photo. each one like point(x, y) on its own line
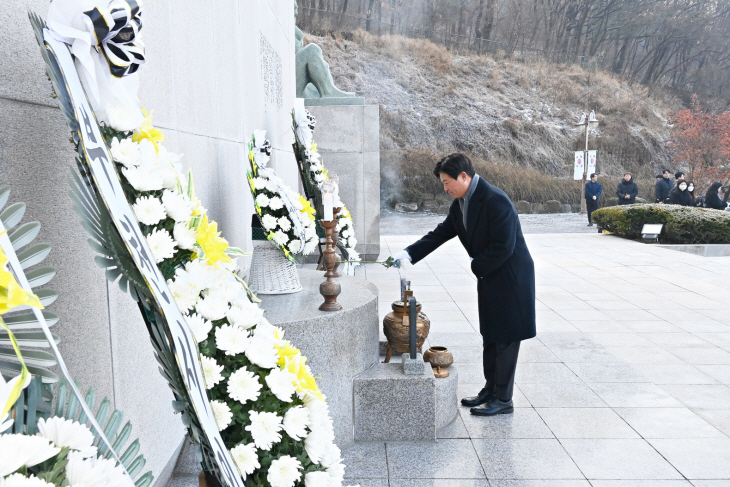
point(395, 259)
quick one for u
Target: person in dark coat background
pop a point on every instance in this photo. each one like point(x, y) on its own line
point(663, 187)
point(486, 222)
point(593, 193)
point(627, 190)
point(712, 197)
point(679, 195)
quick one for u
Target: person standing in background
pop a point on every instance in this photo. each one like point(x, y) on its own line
point(713, 199)
point(663, 186)
point(593, 193)
point(627, 190)
point(679, 195)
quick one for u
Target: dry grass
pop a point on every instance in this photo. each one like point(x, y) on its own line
point(516, 117)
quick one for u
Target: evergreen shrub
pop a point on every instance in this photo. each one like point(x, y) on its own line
point(682, 225)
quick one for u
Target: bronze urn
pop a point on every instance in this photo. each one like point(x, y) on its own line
point(396, 328)
point(439, 358)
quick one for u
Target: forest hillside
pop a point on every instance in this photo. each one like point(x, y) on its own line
point(515, 118)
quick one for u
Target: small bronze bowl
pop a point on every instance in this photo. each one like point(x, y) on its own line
point(439, 358)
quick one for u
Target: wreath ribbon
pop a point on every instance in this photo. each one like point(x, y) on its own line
point(116, 29)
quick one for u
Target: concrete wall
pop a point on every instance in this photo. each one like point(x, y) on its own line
point(215, 72)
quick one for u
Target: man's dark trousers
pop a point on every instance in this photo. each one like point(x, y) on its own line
point(591, 206)
point(500, 362)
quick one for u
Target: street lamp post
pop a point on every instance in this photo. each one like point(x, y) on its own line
point(590, 123)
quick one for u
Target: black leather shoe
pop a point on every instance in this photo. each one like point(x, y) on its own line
point(493, 407)
point(483, 396)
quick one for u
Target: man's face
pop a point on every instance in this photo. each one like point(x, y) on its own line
point(456, 188)
point(627, 177)
point(665, 174)
point(593, 179)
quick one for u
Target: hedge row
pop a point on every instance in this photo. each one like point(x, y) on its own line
point(682, 225)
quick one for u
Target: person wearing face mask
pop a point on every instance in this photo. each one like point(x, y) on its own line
point(679, 195)
point(691, 190)
point(713, 199)
point(627, 190)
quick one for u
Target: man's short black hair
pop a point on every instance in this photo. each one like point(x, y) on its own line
point(627, 173)
point(593, 175)
point(665, 170)
point(658, 176)
point(678, 174)
point(453, 165)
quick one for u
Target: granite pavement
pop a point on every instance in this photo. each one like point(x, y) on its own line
point(627, 383)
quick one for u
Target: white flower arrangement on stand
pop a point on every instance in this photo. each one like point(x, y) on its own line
point(306, 150)
point(267, 406)
point(286, 217)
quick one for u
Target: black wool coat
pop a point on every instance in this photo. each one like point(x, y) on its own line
point(502, 264)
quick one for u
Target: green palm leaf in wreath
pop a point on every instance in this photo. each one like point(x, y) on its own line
point(22, 322)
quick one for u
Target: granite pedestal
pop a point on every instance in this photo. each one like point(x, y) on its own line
point(393, 406)
point(339, 345)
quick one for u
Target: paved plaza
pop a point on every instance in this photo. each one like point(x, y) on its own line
point(626, 384)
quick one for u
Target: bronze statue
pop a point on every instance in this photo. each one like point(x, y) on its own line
point(314, 79)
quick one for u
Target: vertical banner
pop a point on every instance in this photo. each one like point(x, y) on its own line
point(110, 189)
point(592, 161)
point(578, 166)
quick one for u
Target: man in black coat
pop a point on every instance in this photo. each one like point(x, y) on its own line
point(627, 190)
point(663, 186)
point(485, 220)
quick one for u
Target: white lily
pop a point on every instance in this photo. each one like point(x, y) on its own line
point(6, 391)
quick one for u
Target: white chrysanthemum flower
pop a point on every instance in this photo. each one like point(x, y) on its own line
point(244, 385)
point(178, 206)
point(161, 245)
point(332, 455)
point(269, 332)
point(185, 236)
point(246, 458)
point(245, 317)
point(262, 352)
point(231, 339)
point(337, 472)
point(310, 231)
point(275, 203)
point(95, 471)
point(296, 420)
point(211, 371)
point(316, 444)
point(148, 153)
point(284, 472)
point(295, 245)
point(262, 200)
point(142, 179)
point(259, 183)
point(67, 433)
point(123, 117)
point(185, 296)
point(309, 246)
point(24, 451)
point(317, 479)
point(272, 185)
point(222, 413)
point(125, 152)
point(226, 289)
point(280, 238)
point(199, 326)
point(351, 242)
point(18, 480)
point(285, 223)
point(212, 308)
point(201, 274)
point(268, 222)
point(319, 177)
point(167, 174)
point(264, 429)
point(149, 210)
point(281, 383)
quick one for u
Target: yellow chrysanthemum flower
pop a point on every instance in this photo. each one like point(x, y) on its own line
point(147, 131)
point(314, 147)
point(213, 245)
point(307, 208)
point(305, 382)
point(286, 351)
point(11, 294)
point(344, 213)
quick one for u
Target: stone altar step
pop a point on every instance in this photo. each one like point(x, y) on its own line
point(187, 467)
point(392, 406)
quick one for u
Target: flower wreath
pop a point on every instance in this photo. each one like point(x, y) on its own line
point(286, 216)
point(267, 405)
point(306, 150)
